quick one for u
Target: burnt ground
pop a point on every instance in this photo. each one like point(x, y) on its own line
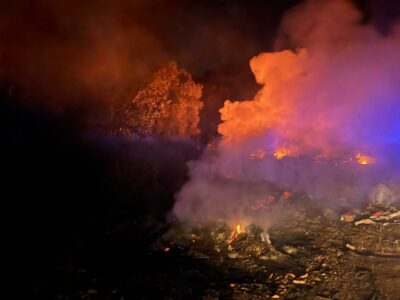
point(312, 255)
point(309, 258)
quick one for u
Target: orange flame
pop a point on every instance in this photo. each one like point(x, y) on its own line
point(239, 229)
point(281, 153)
point(364, 159)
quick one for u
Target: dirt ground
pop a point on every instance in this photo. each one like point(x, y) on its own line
point(307, 256)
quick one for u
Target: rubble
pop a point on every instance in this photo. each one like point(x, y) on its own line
point(289, 249)
point(296, 281)
point(351, 247)
point(310, 255)
point(378, 211)
point(388, 217)
point(348, 218)
point(365, 222)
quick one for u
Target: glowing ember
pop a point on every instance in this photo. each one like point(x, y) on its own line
point(377, 214)
point(286, 194)
point(264, 203)
point(364, 159)
point(281, 153)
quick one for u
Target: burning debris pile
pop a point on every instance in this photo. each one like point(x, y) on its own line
point(325, 121)
point(320, 137)
point(313, 253)
point(297, 198)
point(380, 219)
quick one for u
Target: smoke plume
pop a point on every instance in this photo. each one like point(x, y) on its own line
point(99, 53)
point(326, 120)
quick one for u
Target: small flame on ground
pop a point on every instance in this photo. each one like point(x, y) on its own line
point(239, 229)
point(364, 159)
point(281, 153)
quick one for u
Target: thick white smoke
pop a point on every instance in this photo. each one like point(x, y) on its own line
point(326, 120)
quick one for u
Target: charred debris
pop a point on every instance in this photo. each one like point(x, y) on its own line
point(309, 254)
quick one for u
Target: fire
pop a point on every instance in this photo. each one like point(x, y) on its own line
point(286, 194)
point(320, 113)
point(281, 153)
point(290, 110)
point(239, 229)
point(364, 159)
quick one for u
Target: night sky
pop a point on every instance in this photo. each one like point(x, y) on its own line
point(64, 65)
point(101, 50)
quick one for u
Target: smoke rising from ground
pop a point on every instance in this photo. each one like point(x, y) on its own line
point(325, 121)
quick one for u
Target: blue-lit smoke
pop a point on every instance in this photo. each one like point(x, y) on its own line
point(338, 97)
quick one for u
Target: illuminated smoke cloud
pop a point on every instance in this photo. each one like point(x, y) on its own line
point(326, 120)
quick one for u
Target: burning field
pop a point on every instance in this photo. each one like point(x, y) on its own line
point(116, 119)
